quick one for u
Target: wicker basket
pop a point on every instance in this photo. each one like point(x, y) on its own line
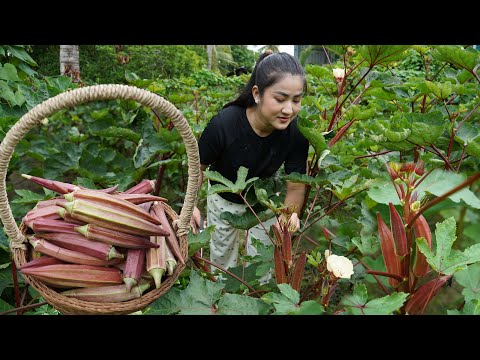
point(19, 244)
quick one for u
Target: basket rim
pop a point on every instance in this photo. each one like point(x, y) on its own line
point(181, 223)
point(87, 94)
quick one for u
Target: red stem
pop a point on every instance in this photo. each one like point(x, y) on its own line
point(467, 182)
point(225, 271)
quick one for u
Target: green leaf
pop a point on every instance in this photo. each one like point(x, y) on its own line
point(59, 83)
point(357, 302)
point(20, 53)
point(246, 220)
point(201, 240)
point(119, 133)
point(247, 274)
point(470, 308)
point(4, 306)
point(383, 54)
point(313, 134)
point(309, 307)
point(27, 197)
point(383, 192)
point(9, 72)
point(456, 56)
point(466, 134)
point(443, 261)
point(473, 147)
point(6, 279)
point(233, 304)
point(440, 181)
point(286, 303)
point(229, 186)
point(7, 93)
point(197, 299)
point(368, 245)
point(469, 278)
point(426, 128)
point(472, 231)
point(316, 182)
point(148, 148)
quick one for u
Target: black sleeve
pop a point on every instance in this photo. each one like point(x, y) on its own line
point(297, 158)
point(211, 142)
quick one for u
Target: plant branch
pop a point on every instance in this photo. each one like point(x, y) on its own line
point(225, 271)
point(22, 308)
point(382, 273)
point(375, 277)
point(467, 182)
point(256, 216)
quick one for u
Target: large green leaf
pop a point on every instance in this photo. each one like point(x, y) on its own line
point(316, 182)
point(286, 303)
point(20, 53)
point(440, 90)
point(8, 72)
point(473, 147)
point(367, 243)
point(444, 261)
point(383, 192)
point(119, 133)
point(469, 278)
point(197, 299)
point(383, 54)
point(6, 279)
point(470, 308)
point(228, 186)
point(313, 134)
point(7, 93)
point(201, 240)
point(467, 133)
point(457, 56)
point(358, 304)
point(247, 273)
point(233, 304)
point(4, 306)
point(246, 220)
point(440, 181)
point(426, 128)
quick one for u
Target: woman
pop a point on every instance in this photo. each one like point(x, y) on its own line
point(258, 130)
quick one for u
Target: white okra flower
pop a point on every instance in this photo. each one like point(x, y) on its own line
point(339, 74)
point(340, 266)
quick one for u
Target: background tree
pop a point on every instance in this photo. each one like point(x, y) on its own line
point(70, 62)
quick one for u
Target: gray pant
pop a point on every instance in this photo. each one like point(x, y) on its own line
point(226, 239)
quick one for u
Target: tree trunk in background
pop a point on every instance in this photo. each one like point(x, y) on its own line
point(70, 62)
point(210, 56)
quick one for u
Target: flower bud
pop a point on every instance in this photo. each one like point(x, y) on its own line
point(415, 206)
point(339, 74)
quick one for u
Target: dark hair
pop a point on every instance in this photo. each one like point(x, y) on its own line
point(269, 69)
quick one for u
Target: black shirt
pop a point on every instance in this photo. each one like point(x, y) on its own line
point(228, 142)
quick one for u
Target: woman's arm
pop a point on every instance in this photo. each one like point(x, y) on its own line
point(294, 200)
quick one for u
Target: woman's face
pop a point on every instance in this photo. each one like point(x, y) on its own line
point(280, 102)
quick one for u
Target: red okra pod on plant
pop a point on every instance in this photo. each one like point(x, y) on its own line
point(398, 231)
point(387, 245)
point(421, 228)
point(424, 294)
point(298, 271)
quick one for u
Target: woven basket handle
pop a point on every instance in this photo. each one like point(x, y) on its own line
point(88, 94)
